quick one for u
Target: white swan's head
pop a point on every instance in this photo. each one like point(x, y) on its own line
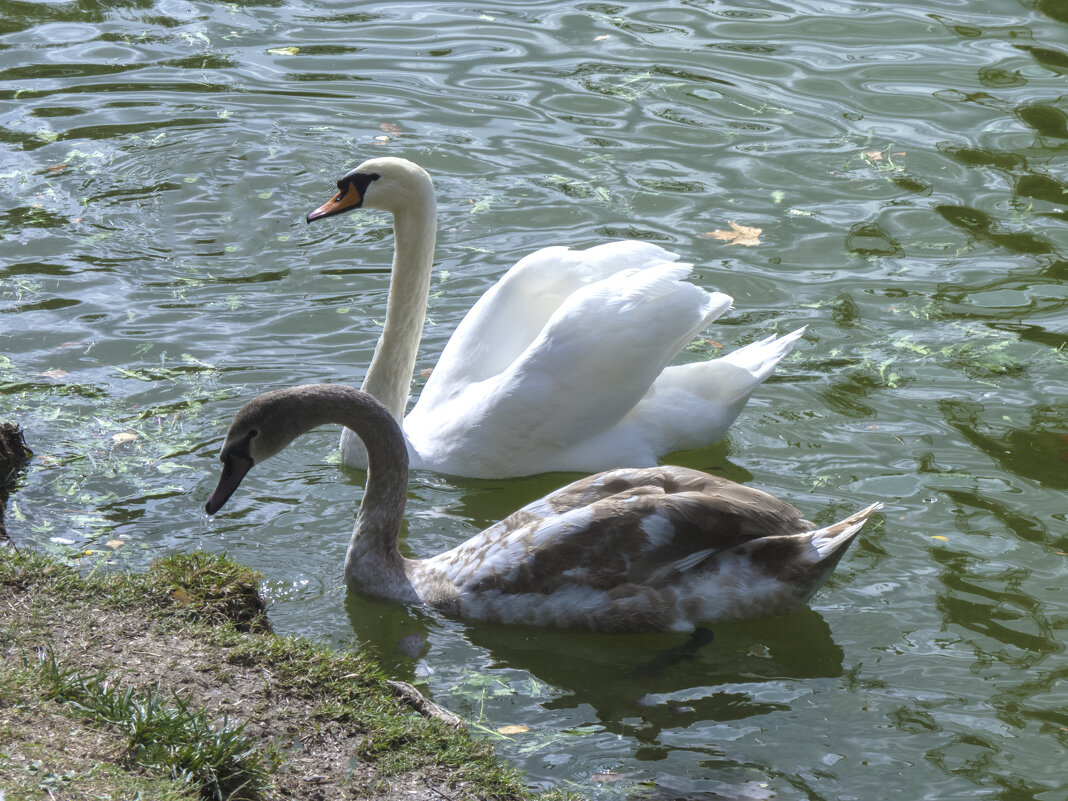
point(384, 183)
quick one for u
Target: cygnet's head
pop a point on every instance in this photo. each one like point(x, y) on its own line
point(263, 427)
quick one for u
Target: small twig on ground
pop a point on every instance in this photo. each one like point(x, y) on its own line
point(423, 705)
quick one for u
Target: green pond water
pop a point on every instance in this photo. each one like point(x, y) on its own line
point(906, 164)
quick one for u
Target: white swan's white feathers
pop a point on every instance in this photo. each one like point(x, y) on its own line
point(562, 364)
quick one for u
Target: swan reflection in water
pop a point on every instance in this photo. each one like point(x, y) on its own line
point(636, 684)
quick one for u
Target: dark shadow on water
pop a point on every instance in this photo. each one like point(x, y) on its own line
point(630, 680)
point(628, 676)
point(985, 228)
point(1004, 624)
point(1038, 451)
point(1034, 333)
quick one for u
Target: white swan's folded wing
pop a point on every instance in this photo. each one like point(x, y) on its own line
point(592, 362)
point(512, 313)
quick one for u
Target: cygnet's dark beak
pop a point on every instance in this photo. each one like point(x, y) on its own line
point(234, 469)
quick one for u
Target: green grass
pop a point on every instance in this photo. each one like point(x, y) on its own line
point(167, 737)
point(195, 587)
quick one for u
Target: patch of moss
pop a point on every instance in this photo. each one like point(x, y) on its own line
point(211, 588)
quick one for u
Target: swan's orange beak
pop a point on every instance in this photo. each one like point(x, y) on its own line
point(348, 197)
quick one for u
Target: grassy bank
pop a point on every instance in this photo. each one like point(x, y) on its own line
point(171, 685)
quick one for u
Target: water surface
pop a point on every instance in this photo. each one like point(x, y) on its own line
point(906, 165)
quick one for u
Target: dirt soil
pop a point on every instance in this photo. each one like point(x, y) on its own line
point(318, 753)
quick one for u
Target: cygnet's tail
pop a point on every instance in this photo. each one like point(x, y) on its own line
point(832, 541)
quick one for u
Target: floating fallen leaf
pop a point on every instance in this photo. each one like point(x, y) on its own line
point(517, 728)
point(390, 128)
point(426, 371)
point(123, 437)
point(939, 537)
point(874, 155)
point(57, 168)
point(283, 51)
point(606, 776)
point(55, 372)
point(747, 235)
point(182, 597)
point(602, 37)
point(115, 544)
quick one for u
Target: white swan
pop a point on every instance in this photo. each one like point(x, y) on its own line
point(661, 548)
point(561, 364)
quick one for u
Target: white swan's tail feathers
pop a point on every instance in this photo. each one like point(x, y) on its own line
point(761, 357)
point(716, 304)
point(833, 540)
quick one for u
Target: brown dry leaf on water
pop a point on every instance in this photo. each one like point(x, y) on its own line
point(391, 128)
point(747, 235)
point(517, 728)
point(878, 155)
point(123, 437)
point(55, 372)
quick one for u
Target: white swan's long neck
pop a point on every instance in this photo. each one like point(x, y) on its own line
point(389, 377)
